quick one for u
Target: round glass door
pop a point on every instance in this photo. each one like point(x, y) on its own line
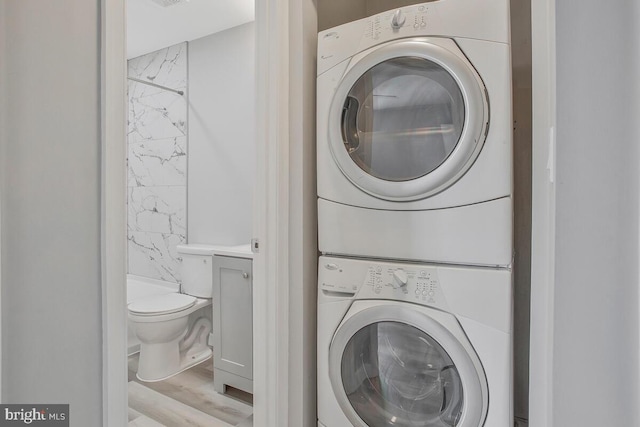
point(395, 365)
point(397, 375)
point(408, 119)
point(402, 118)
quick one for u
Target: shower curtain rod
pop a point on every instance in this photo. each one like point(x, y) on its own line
point(179, 92)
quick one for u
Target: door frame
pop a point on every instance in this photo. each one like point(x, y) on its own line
point(271, 199)
point(113, 98)
point(543, 197)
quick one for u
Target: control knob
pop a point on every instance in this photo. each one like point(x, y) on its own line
point(400, 278)
point(398, 20)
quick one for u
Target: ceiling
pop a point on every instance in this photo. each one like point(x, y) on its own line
point(151, 27)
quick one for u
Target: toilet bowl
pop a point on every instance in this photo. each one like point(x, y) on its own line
point(174, 328)
point(168, 344)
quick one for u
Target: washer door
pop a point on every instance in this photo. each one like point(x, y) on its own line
point(393, 365)
point(408, 120)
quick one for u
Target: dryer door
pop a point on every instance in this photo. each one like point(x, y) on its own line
point(394, 365)
point(408, 119)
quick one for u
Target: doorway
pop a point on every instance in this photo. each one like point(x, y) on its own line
point(285, 227)
point(191, 149)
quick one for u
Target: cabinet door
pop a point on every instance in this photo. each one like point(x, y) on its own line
point(233, 315)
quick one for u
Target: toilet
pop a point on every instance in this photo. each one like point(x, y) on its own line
point(174, 328)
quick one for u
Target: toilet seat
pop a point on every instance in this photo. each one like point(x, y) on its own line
point(162, 304)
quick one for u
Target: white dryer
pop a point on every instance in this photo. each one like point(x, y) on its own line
point(413, 345)
point(415, 134)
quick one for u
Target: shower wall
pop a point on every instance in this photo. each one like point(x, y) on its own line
point(157, 163)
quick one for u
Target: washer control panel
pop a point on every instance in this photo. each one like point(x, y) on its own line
point(346, 278)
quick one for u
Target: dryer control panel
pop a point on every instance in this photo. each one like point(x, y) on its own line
point(406, 21)
point(450, 19)
point(417, 283)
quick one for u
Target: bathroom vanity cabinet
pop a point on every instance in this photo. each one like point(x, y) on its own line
point(232, 323)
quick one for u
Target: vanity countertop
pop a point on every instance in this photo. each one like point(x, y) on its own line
point(238, 251)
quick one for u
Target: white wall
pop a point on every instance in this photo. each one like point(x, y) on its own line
point(51, 293)
point(150, 27)
point(596, 325)
point(221, 153)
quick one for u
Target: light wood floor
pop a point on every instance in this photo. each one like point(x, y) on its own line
point(187, 399)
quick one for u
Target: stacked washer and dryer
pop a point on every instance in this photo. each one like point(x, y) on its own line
point(415, 218)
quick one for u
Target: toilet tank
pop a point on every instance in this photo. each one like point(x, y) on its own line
point(196, 270)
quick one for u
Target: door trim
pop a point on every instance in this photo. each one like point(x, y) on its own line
point(543, 204)
point(271, 219)
point(113, 212)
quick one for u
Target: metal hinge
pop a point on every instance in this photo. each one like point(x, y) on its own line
point(255, 245)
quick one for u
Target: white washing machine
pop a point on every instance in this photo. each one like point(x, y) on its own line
point(415, 134)
point(413, 345)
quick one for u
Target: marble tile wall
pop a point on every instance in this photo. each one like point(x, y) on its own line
point(157, 163)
